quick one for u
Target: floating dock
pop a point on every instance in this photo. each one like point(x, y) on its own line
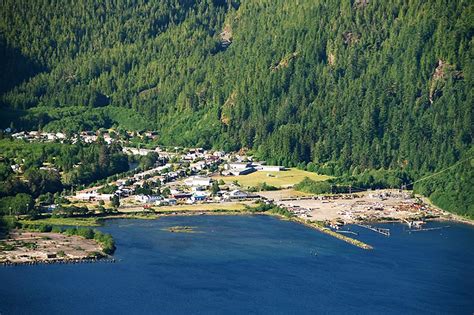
point(385, 232)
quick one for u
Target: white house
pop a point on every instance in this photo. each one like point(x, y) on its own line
point(237, 194)
point(238, 165)
point(198, 166)
point(51, 136)
point(89, 138)
point(219, 153)
point(198, 181)
point(147, 198)
point(121, 182)
point(16, 168)
point(123, 192)
point(189, 157)
point(92, 195)
point(270, 168)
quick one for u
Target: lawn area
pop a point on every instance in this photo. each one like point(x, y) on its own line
point(64, 221)
point(278, 179)
point(231, 206)
point(228, 206)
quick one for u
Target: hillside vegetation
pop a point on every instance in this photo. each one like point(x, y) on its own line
point(349, 86)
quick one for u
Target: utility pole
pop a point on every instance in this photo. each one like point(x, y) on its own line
point(350, 189)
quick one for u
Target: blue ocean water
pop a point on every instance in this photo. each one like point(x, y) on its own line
point(254, 265)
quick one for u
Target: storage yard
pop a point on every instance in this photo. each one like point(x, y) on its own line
point(367, 206)
point(29, 247)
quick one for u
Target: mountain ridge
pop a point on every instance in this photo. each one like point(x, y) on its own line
point(364, 90)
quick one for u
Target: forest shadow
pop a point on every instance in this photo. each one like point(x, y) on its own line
point(16, 67)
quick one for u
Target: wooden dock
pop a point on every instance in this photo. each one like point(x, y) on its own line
point(385, 232)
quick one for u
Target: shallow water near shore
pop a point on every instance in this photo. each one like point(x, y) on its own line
point(254, 264)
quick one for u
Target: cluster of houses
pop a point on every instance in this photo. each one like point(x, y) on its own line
point(155, 199)
point(92, 194)
point(197, 190)
point(39, 136)
point(188, 163)
point(200, 158)
point(188, 180)
point(109, 136)
point(163, 174)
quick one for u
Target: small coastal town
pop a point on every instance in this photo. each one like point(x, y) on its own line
point(236, 157)
point(195, 181)
point(189, 176)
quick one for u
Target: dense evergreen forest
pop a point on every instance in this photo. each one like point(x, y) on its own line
point(349, 86)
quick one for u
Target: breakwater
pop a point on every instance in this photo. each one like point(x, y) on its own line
point(325, 230)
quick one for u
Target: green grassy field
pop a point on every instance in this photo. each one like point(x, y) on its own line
point(204, 207)
point(277, 179)
point(64, 221)
point(231, 206)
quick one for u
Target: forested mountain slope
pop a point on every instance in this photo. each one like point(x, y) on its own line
point(372, 84)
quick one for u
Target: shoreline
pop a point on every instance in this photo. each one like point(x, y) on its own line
point(448, 215)
point(315, 225)
point(455, 219)
point(27, 247)
point(58, 261)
